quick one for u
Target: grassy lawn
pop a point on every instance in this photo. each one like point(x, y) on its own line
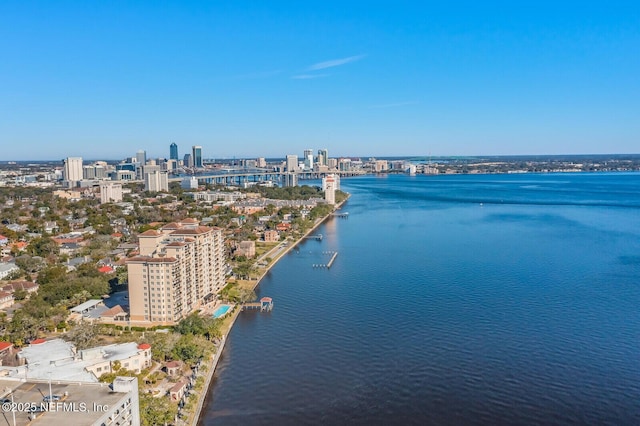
point(262, 247)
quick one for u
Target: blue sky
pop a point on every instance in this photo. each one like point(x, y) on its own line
point(268, 78)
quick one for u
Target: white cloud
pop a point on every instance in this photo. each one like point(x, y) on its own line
point(334, 63)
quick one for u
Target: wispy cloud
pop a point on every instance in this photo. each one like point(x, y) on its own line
point(334, 63)
point(394, 105)
point(309, 76)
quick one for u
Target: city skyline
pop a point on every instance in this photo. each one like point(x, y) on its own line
point(247, 80)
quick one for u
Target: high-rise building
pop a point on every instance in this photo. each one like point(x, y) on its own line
point(197, 156)
point(323, 157)
point(110, 192)
point(179, 269)
point(188, 160)
point(308, 159)
point(72, 170)
point(261, 162)
point(292, 163)
point(155, 180)
point(330, 184)
point(289, 179)
point(141, 157)
point(173, 151)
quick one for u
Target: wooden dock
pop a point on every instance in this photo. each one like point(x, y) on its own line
point(264, 305)
point(315, 237)
point(344, 215)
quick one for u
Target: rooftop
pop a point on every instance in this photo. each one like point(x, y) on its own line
point(58, 360)
point(93, 396)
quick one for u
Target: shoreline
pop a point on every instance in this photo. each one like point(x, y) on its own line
point(216, 357)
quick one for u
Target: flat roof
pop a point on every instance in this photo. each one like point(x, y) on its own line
point(92, 303)
point(55, 359)
point(83, 403)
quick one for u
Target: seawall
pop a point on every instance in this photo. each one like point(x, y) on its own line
point(214, 363)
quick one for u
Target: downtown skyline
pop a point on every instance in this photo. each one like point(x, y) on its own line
point(246, 80)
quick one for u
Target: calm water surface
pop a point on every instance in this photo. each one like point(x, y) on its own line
point(502, 299)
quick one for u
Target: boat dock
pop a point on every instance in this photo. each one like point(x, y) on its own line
point(327, 265)
point(344, 215)
point(264, 305)
point(315, 237)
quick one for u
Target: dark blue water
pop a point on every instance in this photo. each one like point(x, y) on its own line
point(510, 299)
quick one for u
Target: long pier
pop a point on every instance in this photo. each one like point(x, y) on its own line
point(327, 265)
point(344, 215)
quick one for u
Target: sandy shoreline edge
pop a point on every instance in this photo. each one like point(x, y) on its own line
point(216, 357)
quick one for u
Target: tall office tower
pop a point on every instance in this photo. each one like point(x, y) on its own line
point(323, 157)
point(308, 159)
point(155, 180)
point(188, 160)
point(179, 269)
point(197, 156)
point(141, 157)
point(292, 163)
point(72, 170)
point(330, 184)
point(110, 192)
point(261, 162)
point(173, 151)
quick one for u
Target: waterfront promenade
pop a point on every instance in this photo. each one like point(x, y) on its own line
point(275, 254)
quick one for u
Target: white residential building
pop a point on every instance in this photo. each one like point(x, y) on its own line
point(73, 171)
point(110, 192)
point(330, 184)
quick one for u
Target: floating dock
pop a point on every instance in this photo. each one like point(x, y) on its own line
point(344, 215)
point(315, 237)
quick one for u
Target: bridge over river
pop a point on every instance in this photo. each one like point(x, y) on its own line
point(240, 176)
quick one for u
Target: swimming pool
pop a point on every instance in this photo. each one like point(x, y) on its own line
point(221, 311)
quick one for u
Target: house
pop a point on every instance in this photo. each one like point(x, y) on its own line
point(72, 264)
point(283, 226)
point(50, 227)
point(6, 299)
point(106, 269)
point(27, 286)
point(7, 269)
point(114, 314)
point(3, 240)
point(69, 248)
point(173, 368)
point(271, 236)
point(178, 390)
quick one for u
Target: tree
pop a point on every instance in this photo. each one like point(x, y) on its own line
point(20, 294)
point(190, 348)
point(83, 335)
point(156, 411)
point(43, 246)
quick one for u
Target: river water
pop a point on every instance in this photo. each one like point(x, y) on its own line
point(471, 299)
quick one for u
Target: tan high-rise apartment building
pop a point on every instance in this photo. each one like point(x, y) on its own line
point(110, 192)
point(179, 269)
